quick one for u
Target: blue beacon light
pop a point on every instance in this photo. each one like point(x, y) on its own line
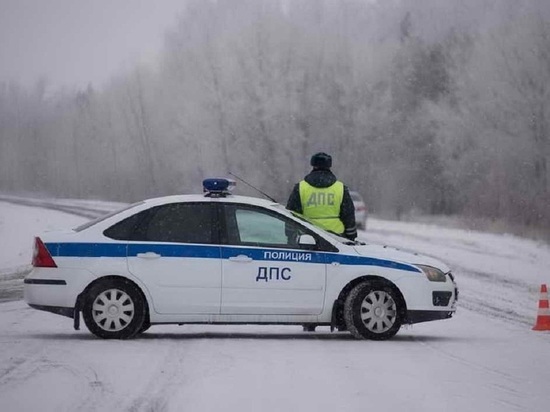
point(217, 186)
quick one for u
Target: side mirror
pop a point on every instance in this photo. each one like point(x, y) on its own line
point(307, 241)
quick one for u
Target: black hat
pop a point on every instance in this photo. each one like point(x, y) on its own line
point(321, 161)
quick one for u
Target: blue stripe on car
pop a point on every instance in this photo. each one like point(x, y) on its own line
point(200, 251)
point(215, 252)
point(87, 249)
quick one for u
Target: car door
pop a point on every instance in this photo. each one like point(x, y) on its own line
point(264, 271)
point(175, 251)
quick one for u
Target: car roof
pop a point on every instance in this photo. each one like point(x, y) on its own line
point(204, 198)
point(127, 211)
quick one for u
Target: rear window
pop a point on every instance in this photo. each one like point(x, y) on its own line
point(356, 196)
point(105, 217)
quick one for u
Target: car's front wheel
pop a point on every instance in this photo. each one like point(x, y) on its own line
point(114, 309)
point(373, 310)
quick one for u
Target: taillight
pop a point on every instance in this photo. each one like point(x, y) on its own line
point(41, 258)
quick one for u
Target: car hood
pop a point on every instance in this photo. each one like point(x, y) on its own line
point(394, 254)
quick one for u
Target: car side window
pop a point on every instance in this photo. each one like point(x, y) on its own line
point(179, 222)
point(176, 222)
point(125, 229)
point(255, 227)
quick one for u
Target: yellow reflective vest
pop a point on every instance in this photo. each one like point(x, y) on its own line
point(321, 205)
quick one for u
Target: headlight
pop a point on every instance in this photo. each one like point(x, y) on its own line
point(433, 274)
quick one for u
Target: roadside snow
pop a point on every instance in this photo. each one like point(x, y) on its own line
point(19, 225)
point(512, 257)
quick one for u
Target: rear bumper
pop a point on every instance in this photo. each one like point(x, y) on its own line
point(55, 287)
point(47, 293)
point(418, 316)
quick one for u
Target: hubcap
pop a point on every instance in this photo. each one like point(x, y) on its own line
point(378, 311)
point(113, 310)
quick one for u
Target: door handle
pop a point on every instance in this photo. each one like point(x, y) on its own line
point(240, 258)
point(148, 255)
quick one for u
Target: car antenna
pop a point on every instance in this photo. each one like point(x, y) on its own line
point(255, 188)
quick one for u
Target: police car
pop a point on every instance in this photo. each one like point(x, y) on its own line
point(220, 258)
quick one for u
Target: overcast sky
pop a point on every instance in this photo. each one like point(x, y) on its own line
point(76, 42)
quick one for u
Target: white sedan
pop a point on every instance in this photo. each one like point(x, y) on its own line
point(360, 210)
point(219, 258)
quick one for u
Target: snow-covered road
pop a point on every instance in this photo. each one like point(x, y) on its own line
point(485, 358)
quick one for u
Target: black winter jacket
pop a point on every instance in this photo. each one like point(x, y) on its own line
point(325, 178)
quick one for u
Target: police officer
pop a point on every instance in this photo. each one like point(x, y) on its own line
point(324, 200)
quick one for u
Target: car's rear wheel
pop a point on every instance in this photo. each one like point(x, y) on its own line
point(374, 310)
point(114, 309)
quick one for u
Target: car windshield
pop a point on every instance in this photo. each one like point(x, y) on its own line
point(104, 217)
point(356, 197)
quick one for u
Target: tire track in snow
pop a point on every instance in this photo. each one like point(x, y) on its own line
point(26, 363)
point(507, 383)
point(38, 364)
point(496, 297)
point(155, 392)
point(75, 207)
point(461, 244)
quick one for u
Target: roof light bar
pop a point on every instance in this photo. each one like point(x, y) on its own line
point(217, 186)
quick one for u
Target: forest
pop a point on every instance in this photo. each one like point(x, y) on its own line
point(427, 107)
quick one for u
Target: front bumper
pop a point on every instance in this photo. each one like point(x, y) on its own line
point(418, 316)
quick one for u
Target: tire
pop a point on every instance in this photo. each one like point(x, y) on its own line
point(374, 310)
point(114, 309)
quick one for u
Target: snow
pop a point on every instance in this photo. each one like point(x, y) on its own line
point(485, 358)
point(19, 225)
